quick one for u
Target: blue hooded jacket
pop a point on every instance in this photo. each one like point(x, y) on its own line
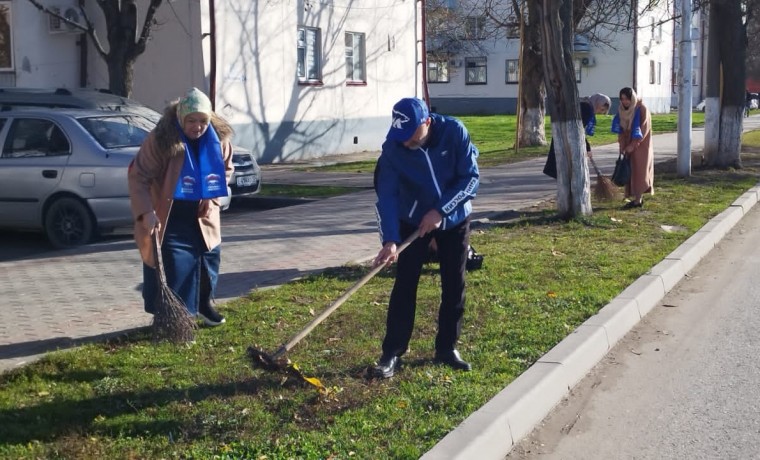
point(441, 175)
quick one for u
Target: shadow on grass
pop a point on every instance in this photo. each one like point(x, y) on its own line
point(50, 420)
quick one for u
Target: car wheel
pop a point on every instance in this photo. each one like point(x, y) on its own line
point(68, 223)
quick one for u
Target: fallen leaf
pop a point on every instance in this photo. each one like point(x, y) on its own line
point(551, 294)
point(669, 305)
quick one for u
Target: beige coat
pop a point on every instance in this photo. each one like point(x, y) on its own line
point(642, 158)
point(153, 177)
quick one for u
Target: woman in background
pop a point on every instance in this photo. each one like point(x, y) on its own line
point(633, 125)
point(590, 107)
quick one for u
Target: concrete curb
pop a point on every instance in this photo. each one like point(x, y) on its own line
point(491, 431)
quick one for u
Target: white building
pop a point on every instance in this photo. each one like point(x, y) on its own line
point(488, 83)
point(296, 78)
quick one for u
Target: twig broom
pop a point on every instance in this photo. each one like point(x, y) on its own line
point(604, 189)
point(171, 320)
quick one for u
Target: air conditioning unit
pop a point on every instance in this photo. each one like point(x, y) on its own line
point(57, 25)
point(588, 61)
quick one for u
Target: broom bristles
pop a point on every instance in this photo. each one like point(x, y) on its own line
point(605, 189)
point(172, 320)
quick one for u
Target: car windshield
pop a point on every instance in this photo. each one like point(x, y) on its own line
point(118, 131)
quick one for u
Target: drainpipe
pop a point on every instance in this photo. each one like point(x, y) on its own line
point(426, 93)
point(702, 53)
point(212, 53)
point(635, 45)
point(82, 43)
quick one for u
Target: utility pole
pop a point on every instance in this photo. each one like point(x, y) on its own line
point(683, 163)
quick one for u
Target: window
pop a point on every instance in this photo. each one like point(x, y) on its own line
point(438, 71)
point(475, 71)
point(577, 67)
point(474, 27)
point(513, 27)
point(513, 71)
point(355, 58)
point(33, 137)
point(652, 77)
point(694, 81)
point(309, 59)
point(117, 131)
point(6, 34)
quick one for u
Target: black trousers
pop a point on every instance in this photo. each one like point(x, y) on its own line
point(452, 254)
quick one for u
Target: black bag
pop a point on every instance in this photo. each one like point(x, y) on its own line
point(622, 174)
point(474, 260)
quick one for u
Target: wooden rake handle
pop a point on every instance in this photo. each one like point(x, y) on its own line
point(337, 303)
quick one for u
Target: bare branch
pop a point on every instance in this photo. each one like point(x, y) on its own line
point(147, 25)
point(88, 28)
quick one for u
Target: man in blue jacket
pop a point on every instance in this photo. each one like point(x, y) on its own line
point(425, 180)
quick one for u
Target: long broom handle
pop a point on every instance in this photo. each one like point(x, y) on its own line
point(159, 259)
point(334, 306)
point(596, 168)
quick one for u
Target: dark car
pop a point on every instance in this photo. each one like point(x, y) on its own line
point(245, 181)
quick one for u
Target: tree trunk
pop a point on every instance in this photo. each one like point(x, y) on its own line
point(532, 110)
point(120, 75)
point(712, 89)
point(573, 191)
point(121, 21)
point(732, 50)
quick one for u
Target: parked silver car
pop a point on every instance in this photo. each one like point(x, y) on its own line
point(245, 181)
point(64, 171)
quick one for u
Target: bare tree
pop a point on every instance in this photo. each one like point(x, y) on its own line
point(557, 31)
point(124, 43)
point(726, 91)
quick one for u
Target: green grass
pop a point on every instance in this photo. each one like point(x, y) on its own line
point(542, 277)
point(303, 191)
point(494, 136)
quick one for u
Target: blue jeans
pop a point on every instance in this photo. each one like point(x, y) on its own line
point(191, 270)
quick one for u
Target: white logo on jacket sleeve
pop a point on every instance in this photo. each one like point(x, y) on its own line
point(461, 196)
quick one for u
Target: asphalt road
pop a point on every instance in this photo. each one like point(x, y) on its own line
point(683, 384)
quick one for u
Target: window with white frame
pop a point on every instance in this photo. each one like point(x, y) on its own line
point(309, 67)
point(476, 70)
point(652, 77)
point(355, 58)
point(437, 71)
point(513, 71)
point(577, 66)
point(474, 27)
point(6, 35)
